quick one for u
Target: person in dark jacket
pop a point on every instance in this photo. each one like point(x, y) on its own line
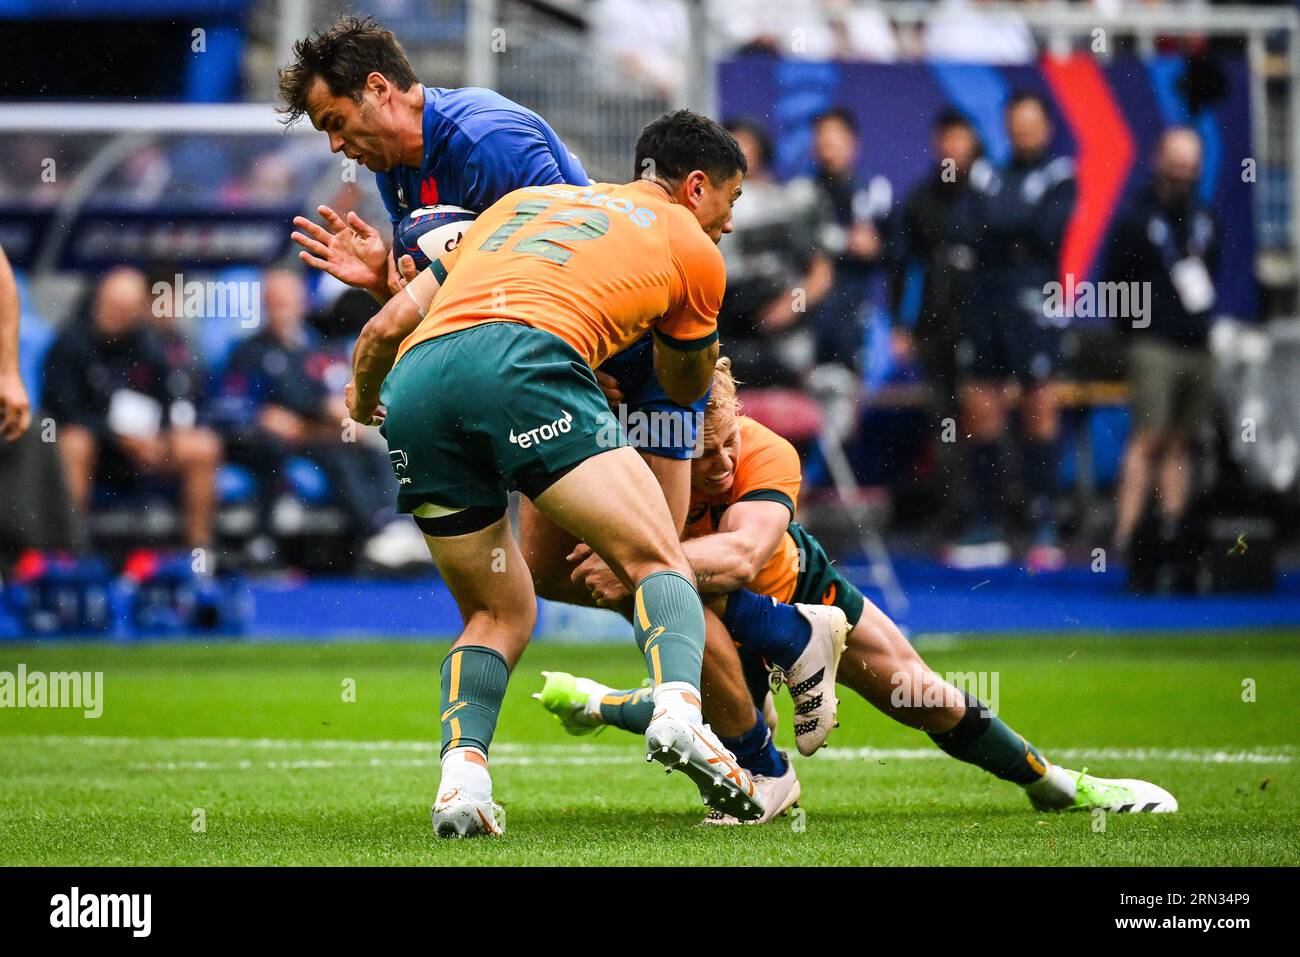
point(932, 269)
point(1015, 222)
point(930, 287)
point(113, 397)
point(859, 213)
point(274, 403)
point(777, 271)
point(1169, 242)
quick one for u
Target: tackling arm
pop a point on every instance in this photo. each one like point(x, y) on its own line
point(380, 338)
point(749, 534)
point(685, 374)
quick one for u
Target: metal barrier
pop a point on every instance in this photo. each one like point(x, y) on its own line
point(596, 106)
point(547, 63)
point(1270, 37)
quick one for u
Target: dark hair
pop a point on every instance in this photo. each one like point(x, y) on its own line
point(1028, 96)
point(756, 130)
point(342, 55)
point(838, 114)
point(949, 117)
point(680, 142)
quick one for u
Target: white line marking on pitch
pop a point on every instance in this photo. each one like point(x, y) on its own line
point(563, 754)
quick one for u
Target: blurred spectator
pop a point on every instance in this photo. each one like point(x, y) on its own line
point(931, 283)
point(969, 31)
point(1015, 221)
point(34, 511)
point(776, 270)
point(187, 381)
point(650, 39)
point(790, 28)
point(855, 238)
point(862, 31)
point(1169, 241)
point(275, 404)
point(15, 409)
point(932, 270)
point(110, 390)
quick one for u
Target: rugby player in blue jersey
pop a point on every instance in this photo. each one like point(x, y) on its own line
point(468, 147)
point(426, 145)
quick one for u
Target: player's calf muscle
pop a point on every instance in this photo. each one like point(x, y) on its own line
point(878, 660)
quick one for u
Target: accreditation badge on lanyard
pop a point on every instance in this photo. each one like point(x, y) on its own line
point(1192, 282)
point(1190, 278)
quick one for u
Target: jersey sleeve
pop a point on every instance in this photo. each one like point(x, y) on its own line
point(691, 321)
point(769, 470)
point(508, 159)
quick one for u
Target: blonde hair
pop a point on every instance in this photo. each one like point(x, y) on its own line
point(723, 404)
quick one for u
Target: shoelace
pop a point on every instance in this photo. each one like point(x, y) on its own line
point(776, 677)
point(1098, 791)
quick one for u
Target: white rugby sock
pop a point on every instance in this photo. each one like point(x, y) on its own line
point(460, 771)
point(594, 691)
point(1056, 787)
point(680, 699)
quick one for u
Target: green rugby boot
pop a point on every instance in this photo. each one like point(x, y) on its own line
point(574, 701)
point(1117, 795)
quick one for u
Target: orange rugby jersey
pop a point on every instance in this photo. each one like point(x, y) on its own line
point(594, 265)
point(767, 468)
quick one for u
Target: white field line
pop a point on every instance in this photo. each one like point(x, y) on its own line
point(424, 753)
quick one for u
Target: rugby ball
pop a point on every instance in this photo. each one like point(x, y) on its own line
point(429, 232)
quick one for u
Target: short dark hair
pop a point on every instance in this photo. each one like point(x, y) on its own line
point(949, 117)
point(680, 142)
point(838, 114)
point(1029, 96)
point(343, 55)
point(755, 129)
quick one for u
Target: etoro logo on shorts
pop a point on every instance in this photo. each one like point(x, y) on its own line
point(399, 460)
point(543, 433)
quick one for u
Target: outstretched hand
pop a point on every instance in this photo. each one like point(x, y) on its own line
point(350, 250)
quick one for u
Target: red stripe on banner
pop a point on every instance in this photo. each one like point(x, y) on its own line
point(1105, 156)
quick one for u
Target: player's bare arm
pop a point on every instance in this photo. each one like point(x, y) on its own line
point(376, 348)
point(15, 410)
point(748, 535)
point(685, 374)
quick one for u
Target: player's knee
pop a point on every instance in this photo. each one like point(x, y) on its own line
point(984, 415)
point(506, 626)
point(196, 448)
point(76, 443)
point(1146, 446)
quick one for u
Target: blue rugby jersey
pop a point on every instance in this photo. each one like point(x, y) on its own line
point(478, 146)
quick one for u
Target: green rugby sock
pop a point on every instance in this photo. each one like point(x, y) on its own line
point(668, 621)
point(986, 741)
point(629, 710)
point(473, 684)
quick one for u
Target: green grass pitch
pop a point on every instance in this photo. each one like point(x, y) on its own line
point(257, 744)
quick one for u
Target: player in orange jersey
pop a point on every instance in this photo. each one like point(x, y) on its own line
point(486, 363)
point(751, 558)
